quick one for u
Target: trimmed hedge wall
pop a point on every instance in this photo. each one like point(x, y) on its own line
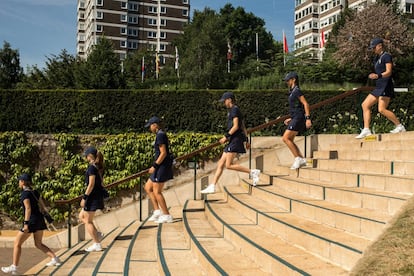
point(119, 111)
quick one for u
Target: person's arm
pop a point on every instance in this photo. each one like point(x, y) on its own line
point(305, 103)
point(89, 189)
point(27, 214)
point(231, 131)
point(163, 154)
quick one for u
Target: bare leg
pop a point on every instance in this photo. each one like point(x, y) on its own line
point(38, 236)
point(160, 198)
point(288, 139)
point(17, 249)
point(149, 188)
point(236, 167)
point(383, 103)
point(90, 227)
point(220, 166)
point(369, 101)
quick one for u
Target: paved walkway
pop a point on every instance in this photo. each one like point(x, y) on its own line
point(30, 257)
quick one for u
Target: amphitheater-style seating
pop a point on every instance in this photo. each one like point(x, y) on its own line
point(317, 220)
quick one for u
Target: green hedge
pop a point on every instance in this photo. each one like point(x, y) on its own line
point(115, 111)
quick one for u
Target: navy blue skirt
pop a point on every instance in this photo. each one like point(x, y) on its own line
point(236, 144)
point(163, 173)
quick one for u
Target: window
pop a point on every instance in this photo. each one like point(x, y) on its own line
point(99, 15)
point(163, 10)
point(124, 18)
point(99, 28)
point(122, 44)
point(99, 2)
point(163, 35)
point(124, 5)
point(185, 1)
point(82, 15)
point(132, 7)
point(163, 22)
point(152, 9)
point(152, 22)
point(133, 19)
point(132, 32)
point(185, 12)
point(82, 4)
point(123, 31)
point(132, 45)
point(152, 34)
point(162, 47)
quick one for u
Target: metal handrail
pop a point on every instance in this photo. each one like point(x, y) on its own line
point(69, 202)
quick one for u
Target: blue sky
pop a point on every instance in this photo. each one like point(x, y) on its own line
point(41, 28)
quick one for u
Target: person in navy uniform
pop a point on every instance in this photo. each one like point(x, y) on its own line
point(299, 119)
point(34, 223)
point(384, 89)
point(161, 171)
point(93, 198)
point(236, 137)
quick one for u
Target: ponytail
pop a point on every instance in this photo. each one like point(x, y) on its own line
point(99, 162)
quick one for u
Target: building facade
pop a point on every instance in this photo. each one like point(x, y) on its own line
point(131, 25)
point(314, 20)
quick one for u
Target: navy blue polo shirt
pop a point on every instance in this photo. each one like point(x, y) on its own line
point(161, 139)
point(234, 112)
point(295, 106)
point(380, 67)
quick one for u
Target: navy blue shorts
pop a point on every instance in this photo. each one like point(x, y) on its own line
point(92, 204)
point(297, 124)
point(388, 91)
point(36, 224)
point(236, 144)
point(163, 173)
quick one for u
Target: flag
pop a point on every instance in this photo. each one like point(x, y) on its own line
point(285, 45)
point(177, 59)
point(322, 38)
point(229, 52)
point(143, 69)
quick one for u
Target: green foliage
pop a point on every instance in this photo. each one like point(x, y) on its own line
point(124, 154)
point(102, 69)
point(10, 70)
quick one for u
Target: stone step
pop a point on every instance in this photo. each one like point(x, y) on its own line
point(330, 243)
point(175, 255)
point(388, 144)
point(263, 246)
point(366, 154)
point(359, 221)
point(356, 197)
point(216, 254)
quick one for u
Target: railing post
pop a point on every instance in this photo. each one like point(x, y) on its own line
point(305, 147)
point(195, 177)
point(70, 226)
point(250, 151)
point(140, 198)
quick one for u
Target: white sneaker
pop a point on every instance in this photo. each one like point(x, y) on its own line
point(94, 247)
point(155, 215)
point(299, 162)
point(398, 129)
point(255, 173)
point(364, 133)
point(211, 189)
point(54, 262)
point(10, 269)
point(164, 219)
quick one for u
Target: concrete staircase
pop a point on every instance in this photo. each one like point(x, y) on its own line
point(318, 220)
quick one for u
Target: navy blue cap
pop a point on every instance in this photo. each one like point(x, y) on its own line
point(375, 42)
point(25, 177)
point(291, 75)
point(226, 95)
point(90, 150)
point(153, 120)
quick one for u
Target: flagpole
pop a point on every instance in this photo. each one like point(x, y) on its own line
point(157, 59)
point(284, 49)
point(257, 51)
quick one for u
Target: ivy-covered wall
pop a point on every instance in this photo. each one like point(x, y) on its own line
point(116, 111)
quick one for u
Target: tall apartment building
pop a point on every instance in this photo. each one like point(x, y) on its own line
point(314, 20)
point(131, 25)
